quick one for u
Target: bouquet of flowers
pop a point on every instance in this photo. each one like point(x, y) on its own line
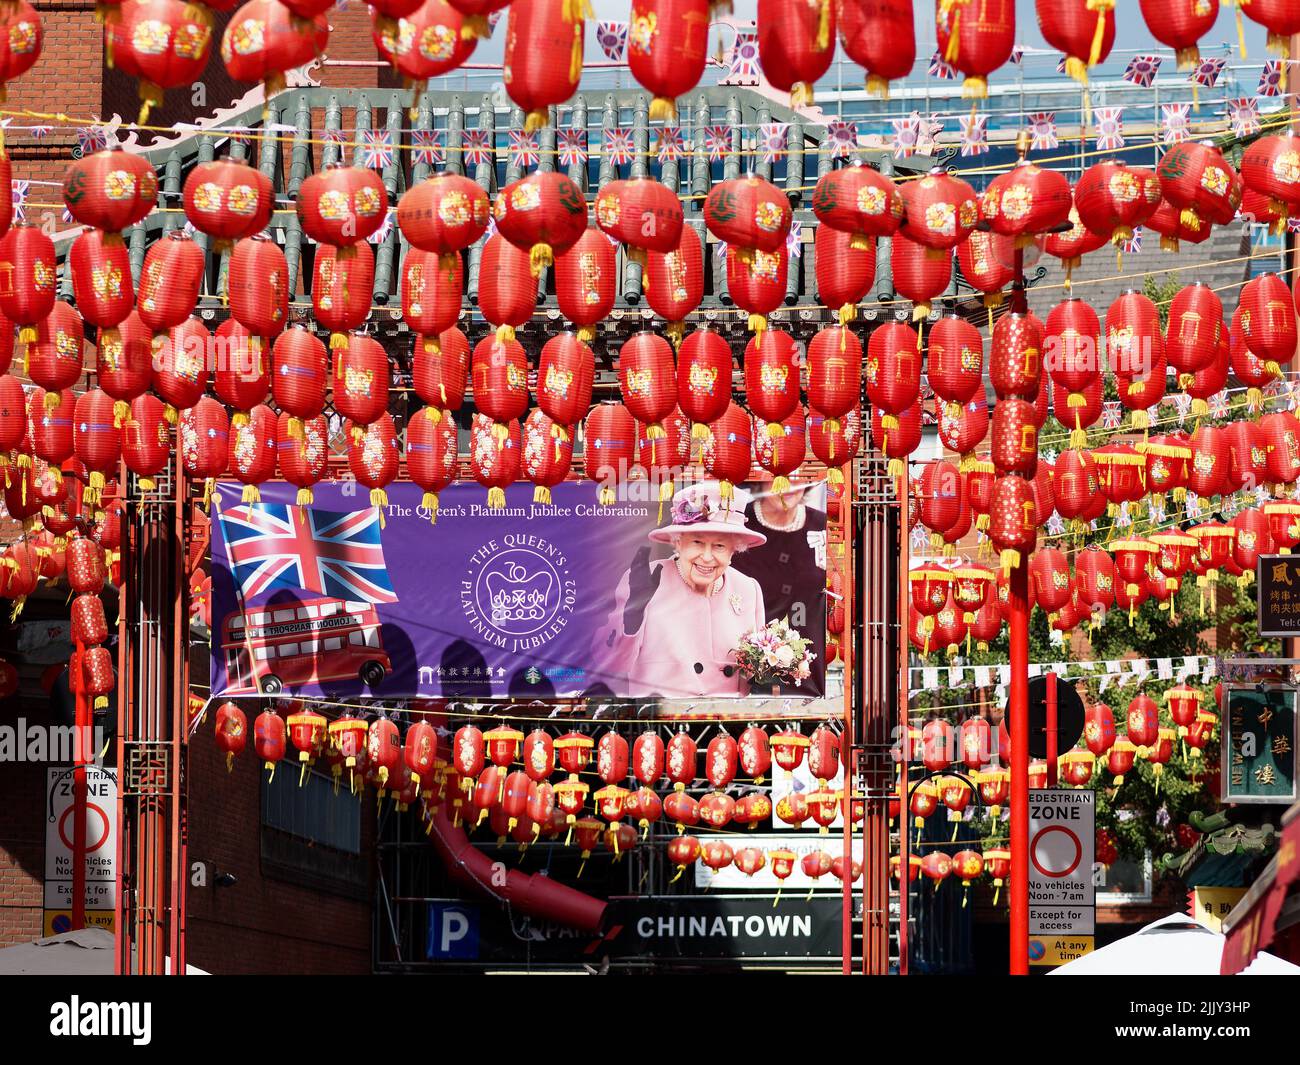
point(774, 654)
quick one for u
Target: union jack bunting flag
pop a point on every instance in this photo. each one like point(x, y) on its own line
point(670, 143)
point(377, 148)
point(717, 141)
point(426, 147)
point(919, 538)
point(1110, 127)
point(928, 134)
point(18, 193)
point(1142, 70)
point(1243, 113)
point(1017, 53)
point(1134, 244)
point(493, 18)
point(907, 131)
point(974, 134)
point(743, 62)
point(332, 136)
point(523, 149)
point(91, 139)
point(1042, 131)
point(1208, 72)
point(1123, 519)
point(1270, 79)
point(385, 227)
point(477, 148)
point(939, 68)
point(1182, 406)
point(794, 240)
point(572, 145)
point(1111, 413)
point(612, 38)
point(773, 138)
point(275, 545)
point(1156, 511)
point(1055, 525)
point(1192, 505)
point(40, 132)
point(1219, 404)
point(1293, 225)
point(618, 145)
point(239, 134)
point(842, 136)
point(1175, 122)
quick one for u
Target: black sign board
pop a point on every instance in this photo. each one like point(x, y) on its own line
point(1278, 588)
point(1069, 716)
point(700, 926)
point(1259, 745)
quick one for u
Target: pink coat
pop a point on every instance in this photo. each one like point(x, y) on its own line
point(685, 641)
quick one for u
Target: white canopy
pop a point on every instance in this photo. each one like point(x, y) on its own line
point(86, 952)
point(1175, 945)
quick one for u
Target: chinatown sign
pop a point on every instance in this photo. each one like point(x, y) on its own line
point(701, 927)
point(1259, 744)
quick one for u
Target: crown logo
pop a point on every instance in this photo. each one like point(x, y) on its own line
point(515, 596)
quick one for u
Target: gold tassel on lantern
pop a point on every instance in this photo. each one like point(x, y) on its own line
point(475, 27)
point(430, 503)
point(496, 498)
point(663, 109)
point(540, 256)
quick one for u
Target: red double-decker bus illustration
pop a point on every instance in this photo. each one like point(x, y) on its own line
point(312, 641)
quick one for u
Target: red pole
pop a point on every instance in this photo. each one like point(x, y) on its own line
point(904, 813)
point(848, 739)
point(1018, 710)
point(1051, 730)
point(80, 741)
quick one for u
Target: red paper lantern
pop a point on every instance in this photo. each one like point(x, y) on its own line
point(796, 43)
point(919, 274)
point(202, 438)
point(263, 41)
point(667, 45)
point(431, 455)
point(97, 441)
point(1114, 199)
point(230, 731)
point(242, 375)
point(258, 286)
point(772, 378)
point(1254, 537)
point(162, 43)
point(757, 284)
point(976, 43)
point(1268, 321)
point(101, 279)
point(878, 35)
point(302, 452)
point(584, 282)
point(1026, 200)
point(252, 445)
point(170, 281)
point(748, 214)
point(727, 449)
point(180, 365)
point(859, 201)
point(299, 370)
point(1049, 577)
point(28, 261)
point(544, 214)
point(1195, 325)
point(1071, 245)
point(425, 43)
point(704, 378)
point(543, 56)
point(1083, 29)
point(845, 273)
point(1281, 435)
point(647, 379)
point(55, 359)
point(834, 373)
point(342, 280)
point(1014, 437)
point(494, 458)
point(372, 456)
point(228, 200)
point(1270, 168)
point(110, 190)
point(146, 439)
point(360, 380)
point(893, 370)
point(1013, 519)
point(679, 760)
point(1200, 183)
point(1015, 358)
point(674, 282)
point(1179, 24)
point(641, 213)
point(507, 286)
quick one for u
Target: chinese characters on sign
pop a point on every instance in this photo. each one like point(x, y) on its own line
point(1259, 733)
point(1279, 595)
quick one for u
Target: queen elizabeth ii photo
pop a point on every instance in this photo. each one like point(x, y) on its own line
point(677, 621)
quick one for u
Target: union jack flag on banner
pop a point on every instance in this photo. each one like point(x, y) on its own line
point(743, 62)
point(1270, 79)
point(523, 149)
point(612, 38)
point(907, 131)
point(572, 145)
point(1175, 122)
point(91, 139)
point(1219, 404)
point(1293, 225)
point(1243, 113)
point(40, 132)
point(717, 141)
point(1111, 413)
point(842, 136)
point(377, 148)
point(670, 144)
point(385, 227)
point(1017, 53)
point(974, 134)
point(1134, 243)
point(618, 145)
point(939, 68)
point(794, 240)
point(774, 138)
point(477, 148)
point(18, 194)
point(426, 147)
point(1208, 72)
point(1142, 70)
point(1042, 131)
point(1110, 127)
point(275, 545)
point(331, 136)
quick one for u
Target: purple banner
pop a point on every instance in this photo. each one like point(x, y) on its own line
point(566, 600)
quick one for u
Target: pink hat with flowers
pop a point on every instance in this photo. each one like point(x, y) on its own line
point(700, 508)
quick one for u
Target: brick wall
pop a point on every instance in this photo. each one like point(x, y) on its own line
point(261, 925)
point(22, 852)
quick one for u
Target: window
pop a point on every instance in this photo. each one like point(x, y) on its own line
point(1123, 881)
point(312, 812)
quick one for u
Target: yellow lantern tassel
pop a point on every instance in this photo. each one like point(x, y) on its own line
point(475, 27)
point(496, 498)
point(540, 257)
point(542, 495)
point(663, 109)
